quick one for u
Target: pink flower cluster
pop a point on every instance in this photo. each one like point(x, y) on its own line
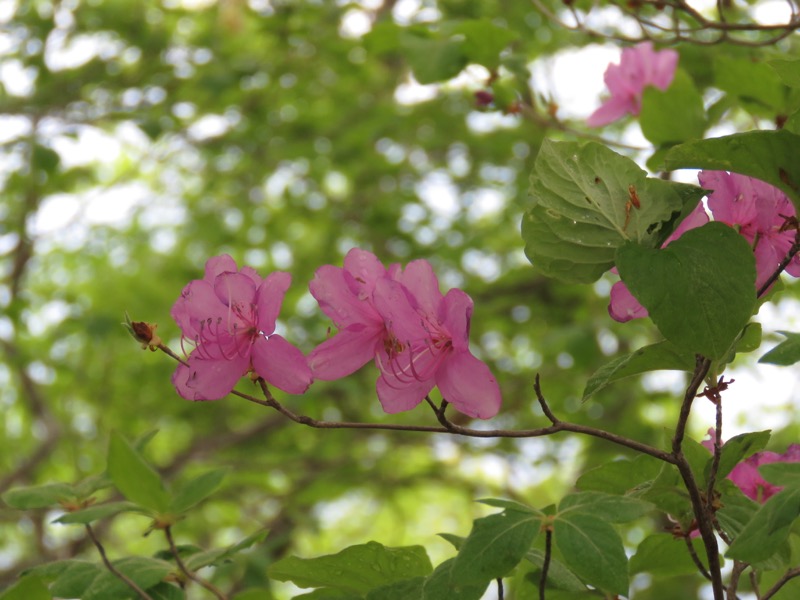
point(418, 337)
point(755, 209)
point(638, 68)
point(746, 477)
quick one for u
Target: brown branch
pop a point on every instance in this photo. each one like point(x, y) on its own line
point(124, 578)
point(548, 549)
point(189, 573)
point(795, 248)
point(696, 559)
point(790, 574)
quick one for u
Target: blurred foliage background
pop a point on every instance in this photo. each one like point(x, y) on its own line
point(141, 138)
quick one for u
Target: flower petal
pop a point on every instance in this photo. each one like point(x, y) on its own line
point(365, 269)
point(217, 265)
point(393, 303)
point(397, 397)
point(345, 352)
point(336, 299)
point(622, 306)
point(420, 280)
point(281, 364)
point(456, 312)
point(468, 384)
point(197, 303)
point(269, 298)
point(208, 379)
point(234, 288)
point(611, 110)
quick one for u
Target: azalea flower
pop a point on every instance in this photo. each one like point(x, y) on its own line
point(428, 345)
point(638, 67)
point(756, 210)
point(746, 476)
point(345, 295)
point(229, 316)
point(417, 337)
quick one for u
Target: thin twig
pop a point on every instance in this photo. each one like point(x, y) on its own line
point(795, 248)
point(696, 559)
point(124, 578)
point(736, 573)
point(190, 574)
point(499, 588)
point(548, 550)
point(790, 574)
point(712, 476)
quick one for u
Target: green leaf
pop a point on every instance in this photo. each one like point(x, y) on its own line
point(558, 575)
point(593, 550)
point(196, 490)
point(355, 569)
point(75, 579)
point(210, 557)
point(620, 476)
point(441, 584)
point(781, 473)
point(495, 545)
point(144, 572)
point(95, 513)
point(753, 82)
point(260, 593)
point(736, 450)
point(699, 290)
point(748, 340)
point(786, 353)
point(582, 211)
point(768, 529)
point(607, 507)
point(134, 477)
point(433, 59)
point(787, 70)
point(674, 115)
point(668, 493)
point(90, 485)
point(765, 155)
point(328, 594)
point(27, 588)
point(664, 555)
point(484, 41)
point(167, 591)
point(655, 357)
point(40, 496)
point(456, 540)
point(737, 509)
point(399, 590)
point(510, 505)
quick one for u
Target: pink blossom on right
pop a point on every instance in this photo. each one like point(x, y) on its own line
point(756, 210)
point(746, 476)
point(638, 68)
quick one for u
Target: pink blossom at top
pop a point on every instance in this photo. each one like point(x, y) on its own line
point(746, 476)
point(757, 210)
point(417, 336)
point(622, 305)
point(229, 316)
point(638, 67)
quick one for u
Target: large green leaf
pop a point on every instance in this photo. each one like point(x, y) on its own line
point(39, 496)
point(441, 584)
point(210, 557)
point(355, 569)
point(582, 209)
point(134, 477)
point(782, 473)
point(593, 550)
point(786, 353)
point(495, 545)
point(27, 588)
point(144, 572)
point(736, 450)
point(484, 41)
point(558, 575)
point(753, 82)
point(620, 476)
point(673, 115)
point(607, 507)
point(655, 357)
point(196, 490)
point(664, 555)
point(95, 513)
point(787, 70)
point(699, 290)
point(768, 529)
point(767, 155)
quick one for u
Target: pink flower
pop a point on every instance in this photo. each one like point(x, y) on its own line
point(756, 209)
point(622, 305)
point(638, 67)
point(345, 295)
point(229, 316)
point(746, 476)
point(428, 346)
point(417, 337)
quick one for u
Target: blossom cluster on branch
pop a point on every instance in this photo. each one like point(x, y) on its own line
point(418, 337)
